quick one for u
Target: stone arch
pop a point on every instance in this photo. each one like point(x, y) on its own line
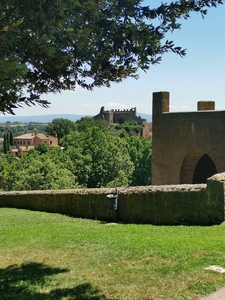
point(196, 167)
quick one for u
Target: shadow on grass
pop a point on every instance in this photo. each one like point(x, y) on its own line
point(24, 282)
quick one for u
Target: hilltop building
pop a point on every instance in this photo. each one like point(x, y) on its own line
point(27, 141)
point(118, 116)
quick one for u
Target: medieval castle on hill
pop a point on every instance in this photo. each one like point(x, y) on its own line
point(120, 116)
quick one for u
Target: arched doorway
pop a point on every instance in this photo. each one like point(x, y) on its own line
point(204, 169)
point(197, 166)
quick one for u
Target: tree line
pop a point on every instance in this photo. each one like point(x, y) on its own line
point(7, 141)
point(19, 129)
point(91, 154)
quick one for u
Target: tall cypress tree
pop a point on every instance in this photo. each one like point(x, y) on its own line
point(11, 142)
point(8, 141)
point(5, 143)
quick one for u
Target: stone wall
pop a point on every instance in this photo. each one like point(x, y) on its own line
point(161, 205)
point(187, 147)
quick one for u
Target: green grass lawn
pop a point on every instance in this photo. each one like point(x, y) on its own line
point(50, 256)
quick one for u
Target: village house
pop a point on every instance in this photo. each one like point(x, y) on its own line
point(27, 141)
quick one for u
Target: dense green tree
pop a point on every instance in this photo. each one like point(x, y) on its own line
point(119, 164)
point(120, 181)
point(98, 156)
point(85, 123)
point(5, 159)
point(42, 147)
point(96, 146)
point(74, 139)
point(82, 164)
point(50, 46)
point(140, 153)
point(74, 148)
point(145, 164)
point(103, 125)
point(130, 126)
point(88, 122)
point(60, 127)
point(60, 158)
point(92, 155)
point(37, 172)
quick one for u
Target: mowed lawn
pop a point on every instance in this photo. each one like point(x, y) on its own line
point(51, 256)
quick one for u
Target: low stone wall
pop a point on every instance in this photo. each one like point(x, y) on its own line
point(161, 205)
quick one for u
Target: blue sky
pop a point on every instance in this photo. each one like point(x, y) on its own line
point(197, 76)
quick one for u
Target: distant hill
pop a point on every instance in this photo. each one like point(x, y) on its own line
point(49, 118)
point(39, 119)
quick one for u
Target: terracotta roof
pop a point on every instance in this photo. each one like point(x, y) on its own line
point(25, 136)
point(42, 136)
point(30, 136)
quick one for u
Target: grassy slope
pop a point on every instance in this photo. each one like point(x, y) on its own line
point(48, 256)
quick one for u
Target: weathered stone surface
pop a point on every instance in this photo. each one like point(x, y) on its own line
point(188, 204)
point(181, 139)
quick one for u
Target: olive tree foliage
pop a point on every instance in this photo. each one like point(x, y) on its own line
point(51, 46)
